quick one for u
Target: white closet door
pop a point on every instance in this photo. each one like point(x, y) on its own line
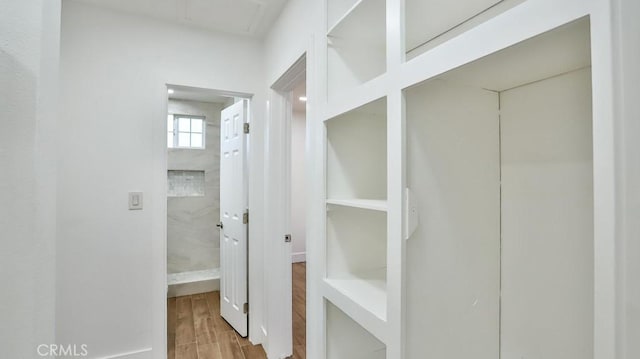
point(547, 219)
point(233, 204)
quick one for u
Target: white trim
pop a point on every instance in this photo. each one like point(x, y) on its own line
point(604, 178)
point(277, 252)
point(626, 41)
point(295, 74)
point(316, 184)
point(194, 282)
point(136, 354)
point(396, 184)
point(159, 231)
point(298, 257)
point(256, 196)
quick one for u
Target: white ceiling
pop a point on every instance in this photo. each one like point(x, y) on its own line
point(245, 17)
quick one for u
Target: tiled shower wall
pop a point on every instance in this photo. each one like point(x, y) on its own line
point(193, 240)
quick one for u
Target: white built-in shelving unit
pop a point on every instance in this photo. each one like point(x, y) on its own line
point(356, 214)
point(467, 151)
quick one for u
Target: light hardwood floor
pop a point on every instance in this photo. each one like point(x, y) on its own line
point(299, 313)
point(195, 329)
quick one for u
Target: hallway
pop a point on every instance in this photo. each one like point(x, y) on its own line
point(195, 329)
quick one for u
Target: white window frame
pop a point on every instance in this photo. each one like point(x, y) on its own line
point(176, 131)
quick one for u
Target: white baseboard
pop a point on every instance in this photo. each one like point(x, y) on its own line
point(298, 257)
point(194, 282)
point(203, 286)
point(137, 354)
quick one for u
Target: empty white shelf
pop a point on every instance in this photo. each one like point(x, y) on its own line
point(372, 204)
point(364, 298)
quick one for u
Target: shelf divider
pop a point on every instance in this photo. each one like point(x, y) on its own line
point(371, 204)
point(363, 299)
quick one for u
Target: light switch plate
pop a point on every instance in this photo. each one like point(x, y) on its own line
point(135, 200)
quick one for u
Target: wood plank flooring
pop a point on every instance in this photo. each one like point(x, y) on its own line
point(195, 329)
point(299, 312)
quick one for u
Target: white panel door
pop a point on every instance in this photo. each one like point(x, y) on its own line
point(233, 205)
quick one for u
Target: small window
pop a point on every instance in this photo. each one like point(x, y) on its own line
point(185, 131)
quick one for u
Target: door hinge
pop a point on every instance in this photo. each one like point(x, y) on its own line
point(287, 238)
point(246, 128)
point(245, 217)
point(245, 308)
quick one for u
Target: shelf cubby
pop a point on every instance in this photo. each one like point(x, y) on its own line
point(356, 259)
point(356, 43)
point(429, 23)
point(357, 157)
point(346, 339)
point(372, 204)
point(499, 157)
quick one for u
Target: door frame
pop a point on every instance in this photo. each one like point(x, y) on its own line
point(277, 251)
point(278, 165)
point(161, 287)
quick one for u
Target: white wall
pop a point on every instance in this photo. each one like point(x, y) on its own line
point(29, 58)
point(547, 219)
point(193, 241)
point(289, 37)
point(453, 270)
point(114, 70)
point(298, 187)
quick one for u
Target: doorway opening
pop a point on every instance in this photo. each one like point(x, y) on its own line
point(289, 136)
point(298, 197)
point(207, 224)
